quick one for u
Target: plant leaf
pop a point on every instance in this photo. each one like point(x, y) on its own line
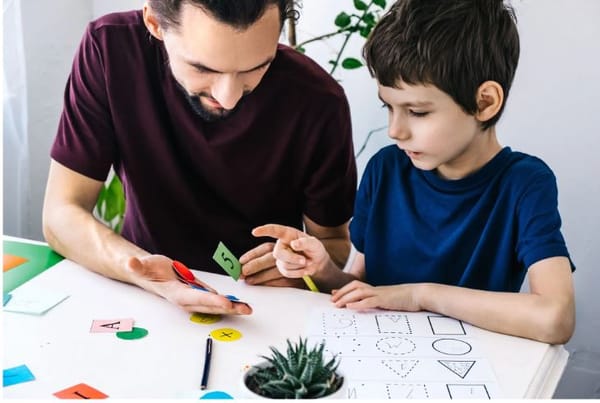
point(365, 31)
point(351, 63)
point(380, 3)
point(360, 5)
point(342, 20)
point(101, 202)
point(369, 19)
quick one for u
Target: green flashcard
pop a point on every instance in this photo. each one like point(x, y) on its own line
point(227, 261)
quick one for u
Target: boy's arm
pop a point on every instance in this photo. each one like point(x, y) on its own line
point(546, 313)
point(335, 239)
point(298, 254)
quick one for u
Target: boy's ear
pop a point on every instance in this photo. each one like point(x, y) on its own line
point(151, 22)
point(490, 97)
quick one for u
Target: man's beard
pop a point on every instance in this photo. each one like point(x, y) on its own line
point(206, 114)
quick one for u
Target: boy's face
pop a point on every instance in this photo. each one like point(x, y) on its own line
point(434, 131)
point(217, 64)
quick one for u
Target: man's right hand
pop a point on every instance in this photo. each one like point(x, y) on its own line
point(258, 268)
point(154, 273)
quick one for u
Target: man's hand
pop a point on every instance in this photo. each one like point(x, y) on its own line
point(258, 268)
point(154, 273)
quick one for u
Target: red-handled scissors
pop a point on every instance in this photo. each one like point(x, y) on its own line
point(185, 275)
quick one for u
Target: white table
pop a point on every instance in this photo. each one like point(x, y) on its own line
point(60, 350)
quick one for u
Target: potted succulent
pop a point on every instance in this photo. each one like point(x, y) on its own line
point(302, 373)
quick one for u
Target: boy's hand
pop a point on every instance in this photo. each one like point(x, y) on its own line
point(155, 274)
point(296, 253)
point(258, 268)
point(358, 295)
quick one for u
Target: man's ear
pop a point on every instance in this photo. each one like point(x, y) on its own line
point(151, 22)
point(490, 97)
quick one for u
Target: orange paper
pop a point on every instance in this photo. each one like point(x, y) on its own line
point(80, 391)
point(11, 261)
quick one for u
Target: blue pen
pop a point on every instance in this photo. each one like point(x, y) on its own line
point(207, 358)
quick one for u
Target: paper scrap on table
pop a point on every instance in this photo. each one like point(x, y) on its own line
point(7, 298)
point(11, 261)
point(111, 325)
point(12, 376)
point(227, 261)
point(36, 302)
point(80, 391)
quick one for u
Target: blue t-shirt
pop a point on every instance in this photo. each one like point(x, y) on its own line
point(482, 231)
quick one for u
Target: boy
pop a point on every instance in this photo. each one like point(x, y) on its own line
point(448, 220)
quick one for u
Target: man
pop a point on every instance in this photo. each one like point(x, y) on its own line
point(213, 129)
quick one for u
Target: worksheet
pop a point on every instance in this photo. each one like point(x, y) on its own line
point(404, 355)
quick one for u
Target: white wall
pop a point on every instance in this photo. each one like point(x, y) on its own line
point(52, 30)
point(553, 111)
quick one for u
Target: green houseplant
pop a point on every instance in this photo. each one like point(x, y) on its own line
point(360, 21)
point(302, 373)
point(110, 207)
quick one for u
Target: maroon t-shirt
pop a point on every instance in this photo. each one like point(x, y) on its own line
point(286, 151)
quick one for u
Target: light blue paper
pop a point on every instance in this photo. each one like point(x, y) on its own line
point(20, 374)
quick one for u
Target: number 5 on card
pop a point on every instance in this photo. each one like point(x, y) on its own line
point(227, 261)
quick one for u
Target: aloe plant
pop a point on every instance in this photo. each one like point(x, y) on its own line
point(302, 373)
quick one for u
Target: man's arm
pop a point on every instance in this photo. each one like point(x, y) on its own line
point(546, 313)
point(71, 229)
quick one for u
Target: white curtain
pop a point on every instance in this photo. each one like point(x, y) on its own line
point(16, 144)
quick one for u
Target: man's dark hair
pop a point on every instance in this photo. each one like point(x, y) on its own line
point(237, 13)
point(455, 45)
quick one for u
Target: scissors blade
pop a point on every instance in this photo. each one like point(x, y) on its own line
point(185, 275)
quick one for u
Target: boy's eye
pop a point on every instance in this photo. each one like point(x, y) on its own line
point(386, 106)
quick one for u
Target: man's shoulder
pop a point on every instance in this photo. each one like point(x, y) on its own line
point(301, 73)
point(117, 21)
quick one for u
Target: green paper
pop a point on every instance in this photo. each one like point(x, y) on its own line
point(227, 261)
point(39, 258)
point(134, 334)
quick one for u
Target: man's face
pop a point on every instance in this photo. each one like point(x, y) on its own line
point(216, 64)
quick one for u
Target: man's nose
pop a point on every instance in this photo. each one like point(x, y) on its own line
point(227, 90)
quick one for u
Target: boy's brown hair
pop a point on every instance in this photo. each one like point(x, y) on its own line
point(455, 45)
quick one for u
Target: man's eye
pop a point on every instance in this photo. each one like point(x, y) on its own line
point(418, 114)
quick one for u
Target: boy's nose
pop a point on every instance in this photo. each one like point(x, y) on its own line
point(398, 131)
